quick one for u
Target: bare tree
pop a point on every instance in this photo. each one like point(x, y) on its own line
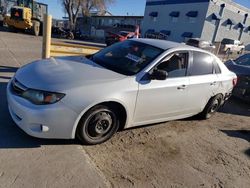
point(99, 5)
point(72, 8)
point(4, 6)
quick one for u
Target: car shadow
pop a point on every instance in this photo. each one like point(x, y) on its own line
point(8, 69)
point(236, 106)
point(12, 137)
point(242, 134)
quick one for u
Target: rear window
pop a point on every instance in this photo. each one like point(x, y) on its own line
point(227, 41)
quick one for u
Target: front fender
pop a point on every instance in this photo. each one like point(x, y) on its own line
point(94, 104)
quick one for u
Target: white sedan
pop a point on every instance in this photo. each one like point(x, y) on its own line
point(132, 83)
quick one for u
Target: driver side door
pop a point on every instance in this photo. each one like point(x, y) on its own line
point(161, 100)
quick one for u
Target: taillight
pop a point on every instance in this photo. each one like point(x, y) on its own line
point(235, 81)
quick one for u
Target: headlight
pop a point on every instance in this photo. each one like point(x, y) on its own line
point(42, 97)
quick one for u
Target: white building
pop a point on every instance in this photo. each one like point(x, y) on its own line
point(210, 20)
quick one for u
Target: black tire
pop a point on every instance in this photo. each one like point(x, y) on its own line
point(212, 107)
point(98, 125)
point(70, 36)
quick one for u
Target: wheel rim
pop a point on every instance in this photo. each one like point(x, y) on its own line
point(215, 106)
point(99, 124)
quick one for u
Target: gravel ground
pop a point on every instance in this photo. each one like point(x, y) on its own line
point(212, 153)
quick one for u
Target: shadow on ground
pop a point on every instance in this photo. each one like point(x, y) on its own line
point(4, 29)
point(236, 106)
point(88, 44)
point(12, 136)
point(242, 134)
point(8, 69)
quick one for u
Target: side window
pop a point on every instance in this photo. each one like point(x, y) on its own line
point(202, 64)
point(175, 64)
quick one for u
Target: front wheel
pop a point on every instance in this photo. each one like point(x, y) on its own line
point(70, 36)
point(212, 107)
point(98, 125)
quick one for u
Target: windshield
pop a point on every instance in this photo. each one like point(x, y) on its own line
point(243, 60)
point(227, 41)
point(128, 57)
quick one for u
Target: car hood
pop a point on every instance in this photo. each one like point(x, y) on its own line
point(237, 69)
point(63, 73)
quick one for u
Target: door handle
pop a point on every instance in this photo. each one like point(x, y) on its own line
point(213, 83)
point(182, 87)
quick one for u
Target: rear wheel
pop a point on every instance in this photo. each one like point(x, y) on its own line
point(212, 107)
point(98, 125)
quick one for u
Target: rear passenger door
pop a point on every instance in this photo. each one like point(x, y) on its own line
point(203, 79)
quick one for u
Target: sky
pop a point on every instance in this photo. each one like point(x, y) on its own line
point(121, 7)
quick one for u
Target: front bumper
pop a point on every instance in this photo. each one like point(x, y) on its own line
point(44, 121)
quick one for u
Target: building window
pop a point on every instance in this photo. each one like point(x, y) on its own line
point(165, 34)
point(238, 30)
point(110, 22)
point(174, 19)
point(153, 16)
point(241, 27)
point(174, 16)
point(192, 16)
point(186, 36)
point(229, 24)
point(215, 18)
point(154, 19)
point(191, 20)
point(229, 27)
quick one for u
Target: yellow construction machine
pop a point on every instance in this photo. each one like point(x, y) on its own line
point(26, 15)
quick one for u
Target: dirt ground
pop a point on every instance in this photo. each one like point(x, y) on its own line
point(213, 153)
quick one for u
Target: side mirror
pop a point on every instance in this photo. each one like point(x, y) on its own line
point(158, 74)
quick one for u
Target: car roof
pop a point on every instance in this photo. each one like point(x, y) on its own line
point(165, 45)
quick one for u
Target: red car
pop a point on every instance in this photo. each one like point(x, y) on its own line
point(112, 38)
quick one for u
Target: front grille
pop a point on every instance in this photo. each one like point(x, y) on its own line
point(17, 87)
